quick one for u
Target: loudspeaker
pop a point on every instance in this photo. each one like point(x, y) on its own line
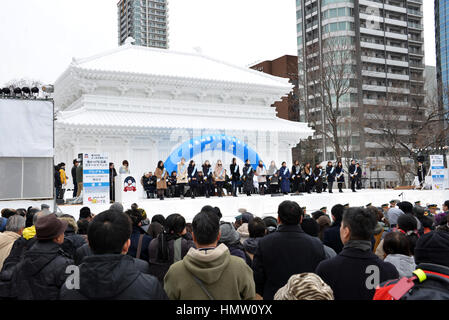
point(277, 194)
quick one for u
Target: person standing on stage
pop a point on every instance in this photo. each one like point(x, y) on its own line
point(161, 175)
point(330, 173)
point(112, 175)
point(308, 178)
point(124, 169)
point(182, 178)
point(339, 174)
point(248, 174)
point(235, 176)
point(353, 175)
point(358, 176)
point(296, 176)
point(421, 174)
point(208, 179)
point(75, 183)
point(220, 177)
point(284, 177)
point(261, 174)
point(317, 172)
point(193, 178)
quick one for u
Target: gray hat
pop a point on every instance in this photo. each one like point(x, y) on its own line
point(116, 206)
point(393, 214)
point(228, 234)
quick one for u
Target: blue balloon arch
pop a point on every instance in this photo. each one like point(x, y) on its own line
point(213, 142)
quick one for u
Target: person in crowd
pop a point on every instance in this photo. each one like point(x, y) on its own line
point(170, 246)
point(30, 215)
point(112, 175)
point(235, 176)
point(397, 252)
point(271, 224)
point(331, 237)
point(86, 214)
point(427, 222)
point(305, 286)
point(243, 226)
point(393, 203)
point(42, 271)
point(308, 180)
point(83, 226)
point(140, 240)
point(79, 178)
point(149, 184)
point(431, 281)
point(13, 231)
point(261, 174)
point(317, 214)
point(182, 177)
point(380, 227)
point(282, 254)
point(209, 272)
point(117, 206)
point(347, 273)
point(257, 230)
point(353, 175)
point(161, 176)
point(171, 184)
point(407, 208)
point(441, 218)
point(156, 226)
point(392, 216)
point(219, 177)
point(284, 178)
point(109, 273)
point(75, 183)
point(193, 179)
point(247, 178)
point(312, 228)
point(339, 175)
point(318, 182)
point(231, 238)
point(324, 223)
point(208, 179)
point(72, 240)
point(330, 174)
point(124, 169)
point(296, 177)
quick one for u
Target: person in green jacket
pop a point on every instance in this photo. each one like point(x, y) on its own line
point(209, 272)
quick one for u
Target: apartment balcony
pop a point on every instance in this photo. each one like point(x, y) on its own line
point(399, 23)
point(368, 87)
point(399, 90)
point(417, 26)
point(413, 12)
point(415, 39)
point(374, 74)
point(417, 65)
point(397, 36)
point(397, 76)
point(416, 52)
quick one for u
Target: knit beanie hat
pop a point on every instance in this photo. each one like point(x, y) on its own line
point(228, 234)
point(433, 248)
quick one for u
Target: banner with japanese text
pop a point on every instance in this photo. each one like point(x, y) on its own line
point(95, 178)
point(438, 171)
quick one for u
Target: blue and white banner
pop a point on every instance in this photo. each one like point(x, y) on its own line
point(438, 171)
point(95, 178)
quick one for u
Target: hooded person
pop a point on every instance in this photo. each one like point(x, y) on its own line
point(231, 238)
point(243, 230)
point(209, 272)
point(257, 230)
point(72, 240)
point(111, 274)
point(42, 272)
point(392, 216)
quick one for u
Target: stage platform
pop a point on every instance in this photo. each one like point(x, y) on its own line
point(258, 205)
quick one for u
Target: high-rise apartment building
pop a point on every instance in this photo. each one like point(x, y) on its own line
point(144, 20)
point(382, 70)
point(442, 50)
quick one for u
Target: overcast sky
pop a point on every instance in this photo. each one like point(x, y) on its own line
point(39, 38)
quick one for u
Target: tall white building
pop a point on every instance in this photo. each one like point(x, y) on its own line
point(146, 21)
point(388, 66)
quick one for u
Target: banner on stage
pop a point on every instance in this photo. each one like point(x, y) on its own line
point(95, 178)
point(438, 171)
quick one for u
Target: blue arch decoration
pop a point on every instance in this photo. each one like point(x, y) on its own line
point(213, 142)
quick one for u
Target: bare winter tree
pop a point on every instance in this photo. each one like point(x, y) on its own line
point(23, 82)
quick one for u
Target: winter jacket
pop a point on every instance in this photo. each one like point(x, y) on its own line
point(244, 232)
point(224, 276)
point(261, 174)
point(284, 177)
point(135, 236)
point(331, 237)
point(181, 176)
point(72, 242)
point(281, 254)
point(42, 272)
point(330, 172)
point(79, 173)
point(193, 175)
point(159, 268)
point(113, 277)
point(235, 172)
point(348, 272)
point(149, 184)
point(162, 176)
point(7, 240)
point(73, 171)
point(404, 264)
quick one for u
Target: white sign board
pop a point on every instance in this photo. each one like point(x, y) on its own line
point(438, 171)
point(95, 179)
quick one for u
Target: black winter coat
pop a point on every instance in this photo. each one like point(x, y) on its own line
point(330, 172)
point(42, 272)
point(281, 254)
point(235, 175)
point(72, 242)
point(113, 277)
point(352, 171)
point(331, 237)
point(135, 235)
point(348, 272)
point(338, 171)
point(193, 175)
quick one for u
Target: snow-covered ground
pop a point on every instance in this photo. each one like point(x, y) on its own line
point(258, 205)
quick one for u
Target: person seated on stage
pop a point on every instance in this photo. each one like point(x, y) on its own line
point(274, 183)
point(149, 184)
point(201, 184)
point(228, 184)
point(219, 177)
point(171, 184)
